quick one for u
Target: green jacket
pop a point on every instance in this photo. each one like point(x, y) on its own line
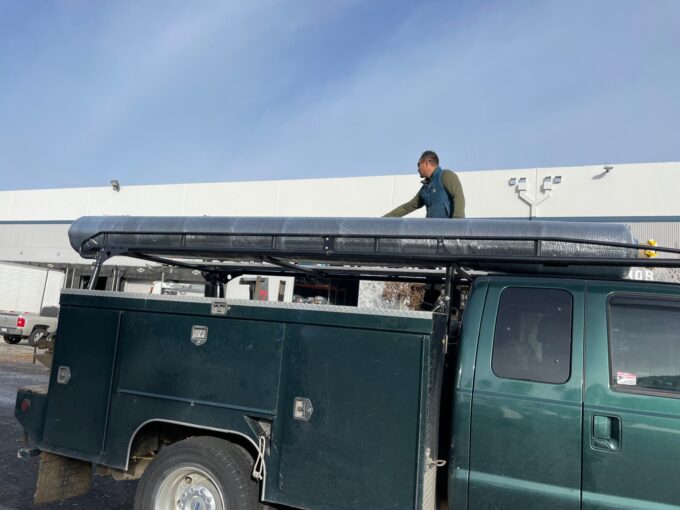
point(453, 188)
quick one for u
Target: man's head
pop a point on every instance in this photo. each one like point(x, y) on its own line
point(427, 164)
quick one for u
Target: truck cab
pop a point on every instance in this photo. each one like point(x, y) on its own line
point(566, 395)
point(541, 380)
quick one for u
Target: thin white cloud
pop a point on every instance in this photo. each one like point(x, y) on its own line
point(512, 88)
point(148, 62)
point(168, 92)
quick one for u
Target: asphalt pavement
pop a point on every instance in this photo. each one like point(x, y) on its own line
point(18, 476)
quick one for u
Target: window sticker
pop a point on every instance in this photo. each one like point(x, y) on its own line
point(626, 379)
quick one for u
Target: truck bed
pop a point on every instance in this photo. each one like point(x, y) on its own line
point(349, 397)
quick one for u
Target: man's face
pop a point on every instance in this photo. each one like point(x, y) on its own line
point(426, 168)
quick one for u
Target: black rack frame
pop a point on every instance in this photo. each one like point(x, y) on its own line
point(352, 263)
point(440, 265)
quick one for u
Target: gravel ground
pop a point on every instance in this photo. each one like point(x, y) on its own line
point(18, 476)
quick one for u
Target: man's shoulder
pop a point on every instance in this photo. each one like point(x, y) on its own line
point(450, 174)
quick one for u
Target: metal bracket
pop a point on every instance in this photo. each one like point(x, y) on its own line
point(25, 453)
point(219, 308)
point(98, 261)
point(432, 463)
point(302, 409)
point(215, 283)
point(102, 256)
point(329, 244)
point(448, 289)
point(63, 374)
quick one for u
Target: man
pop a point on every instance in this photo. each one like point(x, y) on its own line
point(441, 192)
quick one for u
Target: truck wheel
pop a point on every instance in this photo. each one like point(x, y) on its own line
point(12, 339)
point(200, 472)
point(36, 335)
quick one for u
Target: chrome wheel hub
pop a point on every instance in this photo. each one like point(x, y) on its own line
point(189, 488)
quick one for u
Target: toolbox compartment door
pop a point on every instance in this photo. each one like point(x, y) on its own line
point(349, 423)
point(80, 381)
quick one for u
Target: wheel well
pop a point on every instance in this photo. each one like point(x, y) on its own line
point(153, 436)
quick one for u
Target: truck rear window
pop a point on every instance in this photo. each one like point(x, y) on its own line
point(644, 343)
point(532, 339)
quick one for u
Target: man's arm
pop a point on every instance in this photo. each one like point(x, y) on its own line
point(406, 208)
point(454, 188)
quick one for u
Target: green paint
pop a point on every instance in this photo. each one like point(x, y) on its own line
point(375, 383)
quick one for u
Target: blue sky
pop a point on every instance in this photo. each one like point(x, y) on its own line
point(172, 91)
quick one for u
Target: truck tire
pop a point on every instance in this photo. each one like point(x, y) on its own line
point(35, 335)
point(199, 472)
point(12, 339)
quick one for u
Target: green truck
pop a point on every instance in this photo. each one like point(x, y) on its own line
point(541, 379)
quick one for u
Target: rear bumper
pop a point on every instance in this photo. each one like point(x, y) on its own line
point(4, 330)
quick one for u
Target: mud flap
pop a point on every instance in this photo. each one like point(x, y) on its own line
point(61, 478)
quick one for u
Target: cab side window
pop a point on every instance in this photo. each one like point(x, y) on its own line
point(532, 339)
point(644, 345)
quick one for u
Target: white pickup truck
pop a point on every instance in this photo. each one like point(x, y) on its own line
point(16, 326)
point(29, 296)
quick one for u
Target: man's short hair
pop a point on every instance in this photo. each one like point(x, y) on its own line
point(430, 156)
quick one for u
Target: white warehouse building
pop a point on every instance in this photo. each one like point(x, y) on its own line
point(34, 223)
